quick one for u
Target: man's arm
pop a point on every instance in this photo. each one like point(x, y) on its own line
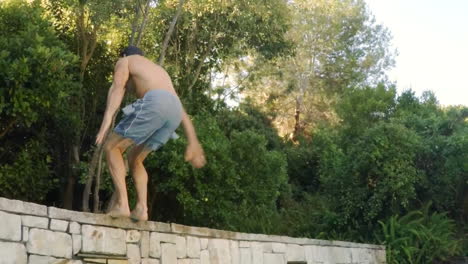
point(194, 153)
point(114, 96)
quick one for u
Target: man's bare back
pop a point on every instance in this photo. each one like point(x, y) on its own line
point(145, 75)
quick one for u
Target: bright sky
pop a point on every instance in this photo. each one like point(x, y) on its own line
point(432, 40)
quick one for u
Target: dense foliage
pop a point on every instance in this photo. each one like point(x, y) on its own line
point(321, 145)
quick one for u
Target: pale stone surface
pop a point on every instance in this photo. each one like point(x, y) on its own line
point(169, 253)
point(205, 257)
point(105, 220)
point(167, 238)
point(150, 261)
point(11, 227)
point(380, 256)
point(193, 247)
point(103, 240)
point(75, 228)
point(278, 247)
point(188, 261)
point(49, 243)
point(16, 206)
point(203, 231)
point(235, 254)
point(244, 244)
point(154, 245)
point(219, 251)
point(117, 261)
point(133, 236)
point(203, 243)
point(12, 253)
point(245, 256)
point(133, 254)
point(104, 261)
point(295, 253)
point(35, 221)
point(144, 244)
point(274, 258)
point(317, 254)
point(25, 237)
point(58, 225)
point(36, 259)
point(340, 255)
point(77, 242)
point(181, 247)
point(257, 252)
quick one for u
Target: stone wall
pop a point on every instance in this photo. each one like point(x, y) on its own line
point(36, 234)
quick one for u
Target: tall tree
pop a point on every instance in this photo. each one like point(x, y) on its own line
point(338, 45)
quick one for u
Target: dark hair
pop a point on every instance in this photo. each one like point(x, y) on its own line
point(131, 50)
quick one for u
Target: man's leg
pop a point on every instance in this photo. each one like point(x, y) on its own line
point(114, 148)
point(140, 177)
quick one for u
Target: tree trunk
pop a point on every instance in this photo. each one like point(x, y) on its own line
point(169, 32)
point(97, 184)
point(135, 23)
point(143, 23)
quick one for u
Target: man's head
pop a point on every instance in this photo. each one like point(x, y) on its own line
point(131, 50)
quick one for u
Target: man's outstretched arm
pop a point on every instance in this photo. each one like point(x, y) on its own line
point(114, 97)
point(194, 153)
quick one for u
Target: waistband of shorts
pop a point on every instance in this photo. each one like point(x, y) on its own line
point(158, 92)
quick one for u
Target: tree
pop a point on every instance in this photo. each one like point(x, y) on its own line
point(37, 76)
point(338, 46)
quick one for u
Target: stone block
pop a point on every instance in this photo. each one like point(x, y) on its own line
point(16, 206)
point(58, 225)
point(10, 227)
point(278, 247)
point(133, 254)
point(295, 253)
point(36, 259)
point(75, 228)
point(244, 244)
point(35, 221)
point(205, 257)
point(12, 253)
point(154, 245)
point(193, 247)
point(144, 244)
point(104, 261)
point(235, 253)
point(150, 261)
point(168, 253)
point(117, 261)
point(103, 240)
point(77, 242)
point(105, 220)
point(257, 252)
point(274, 258)
point(317, 254)
point(219, 251)
point(203, 243)
point(340, 254)
point(181, 247)
point(25, 235)
point(133, 236)
point(49, 243)
point(245, 256)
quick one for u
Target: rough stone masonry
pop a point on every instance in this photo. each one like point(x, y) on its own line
point(36, 234)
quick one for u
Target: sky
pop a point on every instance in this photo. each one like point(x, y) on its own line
point(431, 37)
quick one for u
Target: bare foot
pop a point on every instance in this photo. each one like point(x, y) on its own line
point(139, 214)
point(117, 211)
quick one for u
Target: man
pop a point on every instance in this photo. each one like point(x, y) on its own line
point(148, 124)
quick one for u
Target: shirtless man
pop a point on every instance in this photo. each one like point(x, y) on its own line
point(148, 123)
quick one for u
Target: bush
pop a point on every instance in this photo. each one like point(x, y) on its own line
point(419, 237)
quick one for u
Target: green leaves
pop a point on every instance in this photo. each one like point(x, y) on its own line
point(419, 237)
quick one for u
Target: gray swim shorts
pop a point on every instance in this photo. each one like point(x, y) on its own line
point(151, 120)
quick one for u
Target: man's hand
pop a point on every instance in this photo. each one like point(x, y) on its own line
point(102, 132)
point(194, 154)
